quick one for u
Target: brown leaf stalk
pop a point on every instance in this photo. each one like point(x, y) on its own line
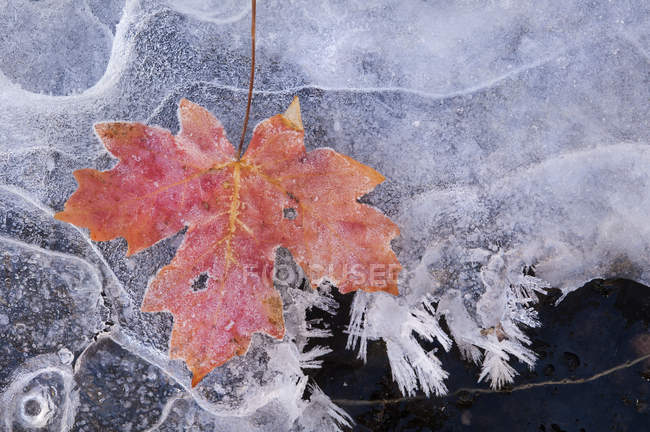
point(250, 83)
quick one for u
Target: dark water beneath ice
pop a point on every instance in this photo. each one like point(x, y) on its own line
point(596, 328)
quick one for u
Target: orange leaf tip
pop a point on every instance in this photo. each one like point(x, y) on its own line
point(197, 378)
point(292, 115)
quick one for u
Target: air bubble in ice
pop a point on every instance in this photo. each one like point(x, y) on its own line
point(36, 408)
point(65, 355)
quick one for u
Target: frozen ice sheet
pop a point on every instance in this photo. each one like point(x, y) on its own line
point(512, 134)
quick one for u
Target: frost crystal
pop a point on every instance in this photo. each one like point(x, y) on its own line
point(412, 366)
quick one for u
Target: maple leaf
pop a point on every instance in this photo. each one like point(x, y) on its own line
point(219, 286)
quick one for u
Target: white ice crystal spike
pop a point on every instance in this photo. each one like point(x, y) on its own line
point(470, 352)
point(321, 414)
point(403, 372)
point(312, 332)
point(497, 370)
point(310, 359)
point(414, 369)
point(525, 288)
point(502, 340)
point(357, 333)
point(430, 325)
point(380, 316)
point(510, 296)
point(323, 300)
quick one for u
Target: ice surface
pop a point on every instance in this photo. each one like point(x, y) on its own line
point(41, 396)
point(512, 134)
point(50, 299)
point(54, 47)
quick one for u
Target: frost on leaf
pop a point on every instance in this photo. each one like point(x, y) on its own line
point(237, 213)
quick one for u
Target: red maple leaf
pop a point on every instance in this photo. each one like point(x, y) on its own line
point(238, 212)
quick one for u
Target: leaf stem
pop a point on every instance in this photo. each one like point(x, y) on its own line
point(250, 83)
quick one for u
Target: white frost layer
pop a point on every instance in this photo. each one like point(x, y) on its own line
point(572, 218)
